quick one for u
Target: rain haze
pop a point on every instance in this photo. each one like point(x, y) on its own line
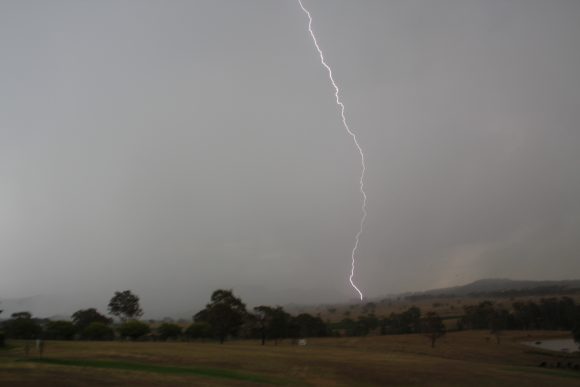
point(174, 148)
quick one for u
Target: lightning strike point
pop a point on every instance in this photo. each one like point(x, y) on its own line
point(358, 147)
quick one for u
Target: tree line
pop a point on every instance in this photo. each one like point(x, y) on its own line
point(547, 314)
point(225, 316)
point(86, 324)
point(412, 320)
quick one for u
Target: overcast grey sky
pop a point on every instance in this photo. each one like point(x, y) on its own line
point(175, 147)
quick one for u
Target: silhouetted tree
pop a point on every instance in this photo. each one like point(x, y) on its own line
point(498, 322)
point(279, 324)
point(370, 322)
point(84, 317)
point(478, 316)
point(369, 308)
point(60, 330)
point(22, 315)
point(225, 314)
point(262, 315)
point(349, 326)
point(310, 326)
point(22, 326)
point(2, 336)
point(576, 328)
point(525, 314)
point(407, 322)
point(125, 305)
point(432, 326)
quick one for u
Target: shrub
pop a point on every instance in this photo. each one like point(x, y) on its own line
point(133, 329)
point(169, 331)
point(198, 330)
point(60, 330)
point(22, 328)
point(98, 331)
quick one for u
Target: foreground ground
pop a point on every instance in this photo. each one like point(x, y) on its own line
point(460, 359)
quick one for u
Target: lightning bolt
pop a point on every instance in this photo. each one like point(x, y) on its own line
point(353, 135)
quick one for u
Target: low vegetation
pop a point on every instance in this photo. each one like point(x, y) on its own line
point(231, 345)
point(226, 317)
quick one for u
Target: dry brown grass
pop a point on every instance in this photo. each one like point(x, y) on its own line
point(460, 359)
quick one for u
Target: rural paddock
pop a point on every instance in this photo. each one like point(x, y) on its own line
point(459, 359)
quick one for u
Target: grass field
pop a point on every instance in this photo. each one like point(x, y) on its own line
point(460, 359)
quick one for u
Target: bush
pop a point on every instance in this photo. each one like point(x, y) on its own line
point(98, 331)
point(60, 330)
point(133, 329)
point(169, 331)
point(198, 330)
point(84, 317)
point(22, 328)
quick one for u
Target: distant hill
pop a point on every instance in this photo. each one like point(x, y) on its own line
point(501, 286)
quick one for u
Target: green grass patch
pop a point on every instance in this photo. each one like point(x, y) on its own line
point(561, 372)
point(559, 355)
point(128, 366)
